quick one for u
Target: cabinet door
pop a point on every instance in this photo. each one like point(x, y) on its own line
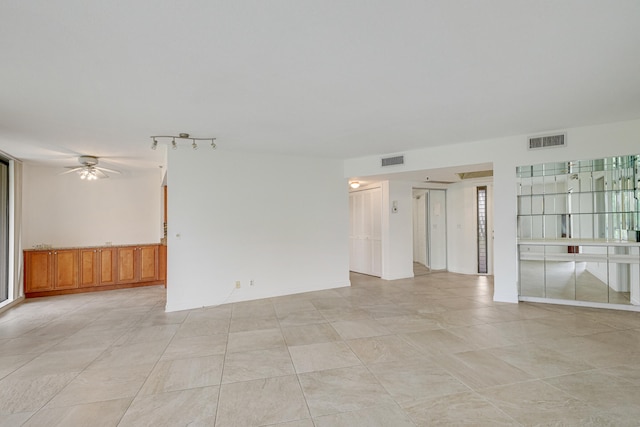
point(65, 269)
point(108, 266)
point(127, 264)
point(88, 268)
point(38, 268)
point(162, 264)
point(148, 263)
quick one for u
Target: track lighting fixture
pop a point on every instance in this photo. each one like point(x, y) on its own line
point(181, 137)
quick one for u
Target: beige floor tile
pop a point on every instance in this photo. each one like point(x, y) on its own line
point(204, 345)
point(438, 341)
point(286, 307)
point(388, 348)
point(261, 402)
point(352, 329)
point(105, 413)
point(411, 323)
point(24, 394)
point(301, 318)
point(58, 362)
point(17, 419)
point(318, 357)
point(130, 354)
point(90, 339)
point(310, 334)
point(298, 423)
point(537, 403)
point(255, 340)
point(31, 345)
point(252, 309)
point(339, 314)
point(182, 374)
point(530, 330)
point(416, 380)
point(330, 303)
point(538, 361)
point(598, 388)
point(160, 317)
point(143, 334)
point(257, 364)
point(591, 351)
point(462, 409)
point(195, 406)
point(103, 384)
point(381, 311)
point(244, 324)
point(9, 364)
point(482, 336)
point(479, 369)
point(377, 416)
point(342, 390)
point(202, 326)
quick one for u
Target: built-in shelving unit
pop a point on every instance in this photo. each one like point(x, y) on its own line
point(579, 230)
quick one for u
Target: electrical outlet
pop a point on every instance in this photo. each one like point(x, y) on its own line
point(237, 284)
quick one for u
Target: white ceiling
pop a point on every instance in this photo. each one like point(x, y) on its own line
point(339, 79)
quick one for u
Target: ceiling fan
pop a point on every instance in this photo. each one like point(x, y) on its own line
point(89, 169)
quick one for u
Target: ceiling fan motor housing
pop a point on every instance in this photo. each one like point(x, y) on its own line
point(88, 160)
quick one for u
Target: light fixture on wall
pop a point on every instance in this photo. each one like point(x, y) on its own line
point(354, 184)
point(181, 137)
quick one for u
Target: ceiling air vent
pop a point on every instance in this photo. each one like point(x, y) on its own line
point(547, 141)
point(390, 161)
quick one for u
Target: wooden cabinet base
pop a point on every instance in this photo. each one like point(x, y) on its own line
point(93, 289)
point(73, 271)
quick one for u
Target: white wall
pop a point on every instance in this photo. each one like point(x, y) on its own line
point(506, 153)
point(281, 221)
point(397, 230)
point(63, 210)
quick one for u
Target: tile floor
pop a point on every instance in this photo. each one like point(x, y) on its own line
point(433, 350)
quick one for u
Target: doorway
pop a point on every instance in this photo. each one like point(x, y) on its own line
point(429, 231)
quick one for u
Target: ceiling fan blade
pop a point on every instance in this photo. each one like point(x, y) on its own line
point(74, 169)
point(106, 170)
point(98, 172)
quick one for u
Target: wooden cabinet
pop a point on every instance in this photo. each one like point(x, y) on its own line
point(38, 271)
point(97, 267)
point(60, 271)
point(65, 269)
point(127, 264)
point(51, 270)
point(138, 264)
point(147, 263)
point(108, 265)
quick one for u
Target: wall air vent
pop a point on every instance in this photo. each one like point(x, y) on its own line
point(390, 161)
point(547, 141)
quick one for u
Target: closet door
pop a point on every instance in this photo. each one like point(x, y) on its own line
point(365, 231)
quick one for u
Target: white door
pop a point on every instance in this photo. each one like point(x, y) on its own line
point(365, 231)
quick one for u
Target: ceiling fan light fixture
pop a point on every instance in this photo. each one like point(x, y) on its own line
point(89, 169)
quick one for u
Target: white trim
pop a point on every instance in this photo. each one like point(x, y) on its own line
point(581, 303)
